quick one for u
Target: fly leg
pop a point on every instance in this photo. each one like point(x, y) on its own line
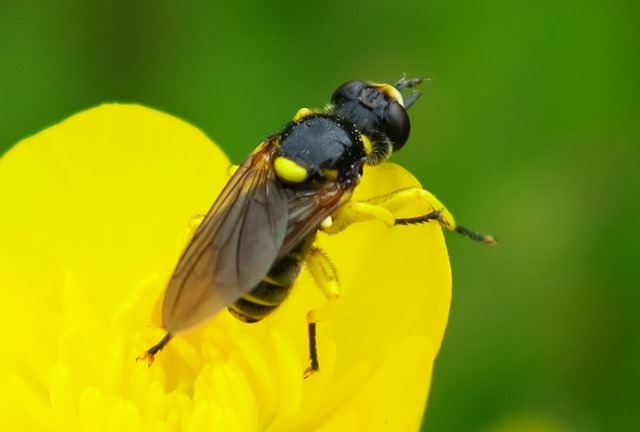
point(149, 355)
point(384, 208)
point(440, 213)
point(326, 277)
point(356, 211)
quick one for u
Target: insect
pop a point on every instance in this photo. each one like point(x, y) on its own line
point(248, 251)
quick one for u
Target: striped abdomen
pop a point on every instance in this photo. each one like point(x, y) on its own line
point(274, 288)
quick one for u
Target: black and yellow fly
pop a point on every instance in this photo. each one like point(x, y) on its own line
point(248, 251)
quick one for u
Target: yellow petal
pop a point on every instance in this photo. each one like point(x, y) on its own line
point(390, 321)
point(95, 212)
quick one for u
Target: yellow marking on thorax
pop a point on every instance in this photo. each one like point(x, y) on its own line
point(330, 174)
point(302, 112)
point(368, 147)
point(289, 171)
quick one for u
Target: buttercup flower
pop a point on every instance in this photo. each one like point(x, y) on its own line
point(94, 214)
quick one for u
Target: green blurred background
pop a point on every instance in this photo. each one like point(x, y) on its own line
point(528, 129)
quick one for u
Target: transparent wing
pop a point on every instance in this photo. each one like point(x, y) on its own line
point(234, 247)
point(254, 222)
point(307, 210)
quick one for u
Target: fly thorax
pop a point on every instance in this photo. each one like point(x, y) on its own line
point(319, 148)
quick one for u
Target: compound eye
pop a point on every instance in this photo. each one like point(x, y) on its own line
point(347, 91)
point(399, 125)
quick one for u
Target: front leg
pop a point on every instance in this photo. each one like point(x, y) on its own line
point(384, 208)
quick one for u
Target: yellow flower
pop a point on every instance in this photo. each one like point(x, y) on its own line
point(95, 212)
